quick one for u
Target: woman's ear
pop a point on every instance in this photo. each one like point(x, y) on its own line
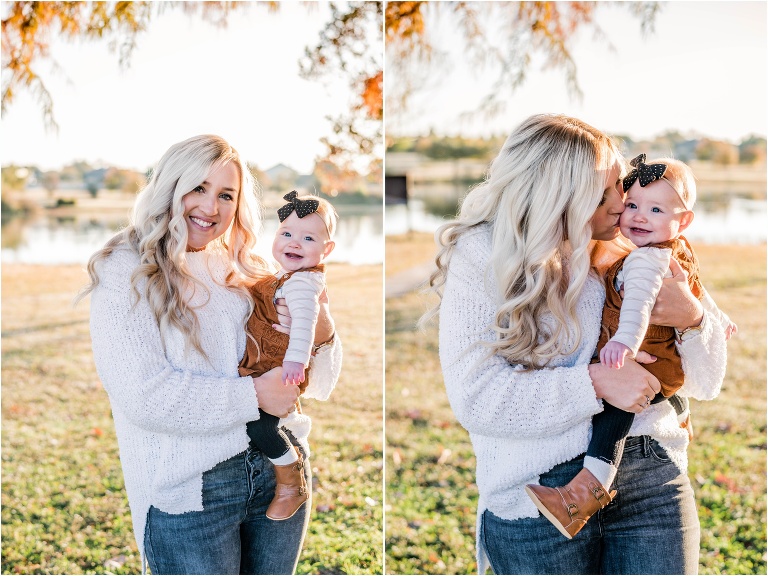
point(685, 219)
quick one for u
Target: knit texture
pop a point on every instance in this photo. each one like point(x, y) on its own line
point(523, 423)
point(178, 414)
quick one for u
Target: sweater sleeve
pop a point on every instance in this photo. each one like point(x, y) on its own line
point(302, 296)
point(644, 270)
point(488, 395)
point(705, 356)
point(139, 379)
point(325, 369)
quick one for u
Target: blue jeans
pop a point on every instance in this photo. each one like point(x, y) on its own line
point(231, 535)
point(651, 527)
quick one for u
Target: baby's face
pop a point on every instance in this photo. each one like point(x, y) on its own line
point(653, 214)
point(301, 243)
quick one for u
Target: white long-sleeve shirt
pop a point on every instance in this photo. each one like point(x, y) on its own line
point(178, 414)
point(523, 423)
point(302, 296)
point(640, 277)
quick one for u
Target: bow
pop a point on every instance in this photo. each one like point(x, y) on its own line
point(302, 207)
point(647, 172)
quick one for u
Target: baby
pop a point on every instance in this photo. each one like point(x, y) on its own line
point(303, 240)
point(658, 208)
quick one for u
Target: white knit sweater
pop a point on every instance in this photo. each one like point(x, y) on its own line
point(522, 424)
point(177, 414)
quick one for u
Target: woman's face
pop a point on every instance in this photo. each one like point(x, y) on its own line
point(210, 208)
point(605, 221)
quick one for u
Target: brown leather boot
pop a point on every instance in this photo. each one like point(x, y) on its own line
point(290, 492)
point(569, 507)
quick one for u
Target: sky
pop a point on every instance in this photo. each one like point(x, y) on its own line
point(707, 63)
point(187, 77)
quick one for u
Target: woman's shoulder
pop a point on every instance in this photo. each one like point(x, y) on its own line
point(477, 239)
point(121, 259)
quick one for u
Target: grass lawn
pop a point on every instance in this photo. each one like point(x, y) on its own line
point(431, 494)
point(64, 507)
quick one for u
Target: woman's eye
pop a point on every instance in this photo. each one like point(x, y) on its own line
point(198, 189)
point(226, 196)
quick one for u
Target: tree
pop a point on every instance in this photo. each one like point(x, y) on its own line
point(344, 46)
point(532, 29)
point(50, 182)
point(14, 178)
point(752, 150)
point(28, 27)
point(717, 151)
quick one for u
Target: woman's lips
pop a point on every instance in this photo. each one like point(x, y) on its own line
point(200, 223)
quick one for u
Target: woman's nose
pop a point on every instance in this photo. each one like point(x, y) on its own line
point(209, 204)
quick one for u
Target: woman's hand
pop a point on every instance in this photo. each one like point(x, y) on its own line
point(676, 305)
point(325, 327)
point(283, 315)
point(630, 388)
point(275, 398)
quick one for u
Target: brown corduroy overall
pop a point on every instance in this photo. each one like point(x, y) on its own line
point(659, 340)
point(270, 346)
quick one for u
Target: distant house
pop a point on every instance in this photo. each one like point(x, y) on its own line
point(281, 172)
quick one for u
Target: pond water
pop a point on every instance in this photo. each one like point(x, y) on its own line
point(718, 221)
point(48, 240)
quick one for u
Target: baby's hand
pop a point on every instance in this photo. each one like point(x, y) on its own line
point(293, 373)
point(731, 330)
point(613, 354)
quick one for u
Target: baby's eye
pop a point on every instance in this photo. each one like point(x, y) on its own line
point(286, 234)
point(309, 238)
point(631, 205)
point(656, 209)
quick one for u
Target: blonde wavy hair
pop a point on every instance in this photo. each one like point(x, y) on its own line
point(538, 196)
point(157, 232)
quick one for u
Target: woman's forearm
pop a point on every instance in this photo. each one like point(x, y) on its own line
point(325, 328)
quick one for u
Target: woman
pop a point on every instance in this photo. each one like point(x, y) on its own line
point(519, 320)
point(168, 313)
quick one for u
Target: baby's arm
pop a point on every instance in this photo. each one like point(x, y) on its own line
point(302, 294)
point(614, 353)
point(644, 270)
point(293, 372)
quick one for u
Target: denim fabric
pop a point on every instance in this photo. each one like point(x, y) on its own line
point(651, 527)
point(231, 535)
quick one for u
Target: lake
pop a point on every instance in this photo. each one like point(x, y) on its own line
point(50, 240)
point(719, 221)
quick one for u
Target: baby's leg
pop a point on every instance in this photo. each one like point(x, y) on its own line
point(609, 431)
point(266, 436)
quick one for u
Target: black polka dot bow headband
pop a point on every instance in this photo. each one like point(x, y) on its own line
point(302, 207)
point(646, 172)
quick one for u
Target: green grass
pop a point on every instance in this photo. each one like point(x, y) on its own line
point(431, 494)
point(64, 507)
